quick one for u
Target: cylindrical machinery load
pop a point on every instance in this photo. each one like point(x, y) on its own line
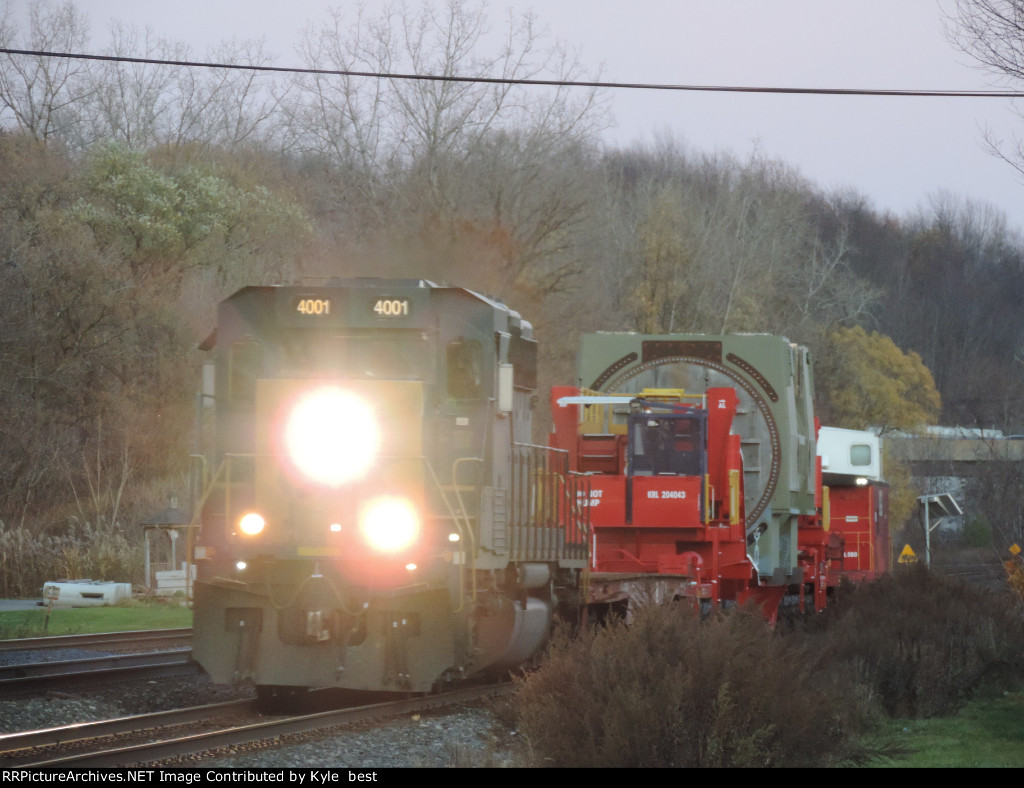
point(775, 419)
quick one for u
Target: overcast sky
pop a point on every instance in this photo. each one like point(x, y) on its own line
point(895, 151)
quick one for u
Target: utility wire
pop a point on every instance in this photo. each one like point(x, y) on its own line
point(529, 82)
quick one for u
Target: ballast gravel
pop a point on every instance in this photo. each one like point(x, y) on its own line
point(468, 736)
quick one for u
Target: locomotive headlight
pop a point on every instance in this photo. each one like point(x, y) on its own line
point(331, 436)
point(251, 524)
point(389, 524)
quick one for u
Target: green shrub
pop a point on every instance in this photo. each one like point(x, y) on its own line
point(978, 533)
point(670, 690)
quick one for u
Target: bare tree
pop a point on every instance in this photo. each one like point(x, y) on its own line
point(959, 307)
point(38, 92)
point(712, 244)
point(243, 103)
point(341, 118)
point(129, 101)
point(378, 127)
point(143, 105)
point(992, 32)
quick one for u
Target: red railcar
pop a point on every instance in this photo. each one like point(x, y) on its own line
point(858, 504)
point(676, 482)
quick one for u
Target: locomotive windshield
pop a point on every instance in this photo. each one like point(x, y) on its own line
point(401, 356)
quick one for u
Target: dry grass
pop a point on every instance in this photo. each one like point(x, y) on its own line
point(81, 551)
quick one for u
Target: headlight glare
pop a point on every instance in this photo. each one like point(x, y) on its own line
point(389, 524)
point(331, 436)
point(251, 524)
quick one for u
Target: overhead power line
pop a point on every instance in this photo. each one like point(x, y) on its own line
point(1004, 94)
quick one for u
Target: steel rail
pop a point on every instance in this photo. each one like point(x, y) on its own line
point(30, 676)
point(12, 743)
point(135, 638)
point(150, 752)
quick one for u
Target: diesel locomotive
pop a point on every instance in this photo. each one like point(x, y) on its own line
point(375, 516)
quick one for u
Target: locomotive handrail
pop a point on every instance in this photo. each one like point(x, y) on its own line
point(200, 475)
point(469, 528)
point(547, 502)
point(208, 485)
point(225, 468)
point(462, 532)
point(195, 518)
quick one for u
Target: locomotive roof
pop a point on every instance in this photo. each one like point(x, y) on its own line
point(515, 323)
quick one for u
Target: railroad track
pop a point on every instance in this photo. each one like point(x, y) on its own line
point(988, 574)
point(26, 747)
point(135, 640)
point(113, 743)
point(34, 676)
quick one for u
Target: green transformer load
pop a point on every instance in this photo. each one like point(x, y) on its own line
point(773, 379)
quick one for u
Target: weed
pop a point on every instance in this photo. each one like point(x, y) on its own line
point(27, 626)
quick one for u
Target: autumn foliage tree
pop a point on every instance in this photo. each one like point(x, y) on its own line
point(867, 381)
point(718, 245)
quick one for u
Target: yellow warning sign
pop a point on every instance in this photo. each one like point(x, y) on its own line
point(1015, 549)
point(907, 556)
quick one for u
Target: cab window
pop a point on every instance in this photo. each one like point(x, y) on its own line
point(860, 454)
point(465, 362)
point(245, 364)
